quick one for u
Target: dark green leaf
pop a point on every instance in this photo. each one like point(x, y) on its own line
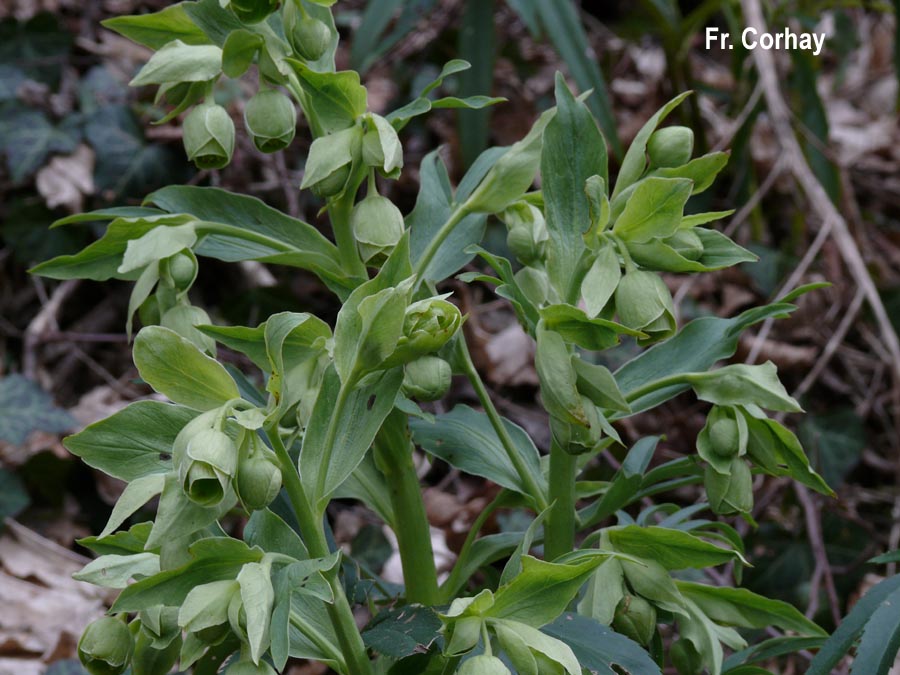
point(402, 631)
point(28, 138)
point(673, 549)
point(25, 407)
point(13, 496)
point(880, 639)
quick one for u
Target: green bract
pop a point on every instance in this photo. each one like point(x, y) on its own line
point(238, 570)
point(271, 120)
point(209, 136)
point(106, 646)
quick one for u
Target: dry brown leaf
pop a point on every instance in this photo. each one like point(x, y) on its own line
point(65, 181)
point(511, 356)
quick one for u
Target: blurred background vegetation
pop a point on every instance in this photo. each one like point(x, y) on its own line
point(74, 137)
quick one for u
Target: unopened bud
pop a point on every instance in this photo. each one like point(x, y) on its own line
point(106, 647)
point(635, 618)
point(427, 378)
point(258, 475)
point(209, 136)
point(732, 492)
point(210, 466)
point(643, 302)
point(271, 120)
point(377, 226)
point(308, 37)
point(670, 146)
point(252, 11)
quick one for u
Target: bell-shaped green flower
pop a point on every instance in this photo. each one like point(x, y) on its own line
point(635, 618)
point(644, 303)
point(483, 665)
point(377, 226)
point(670, 146)
point(271, 120)
point(308, 37)
point(252, 11)
point(427, 378)
point(732, 492)
point(258, 474)
point(210, 465)
point(181, 270)
point(247, 667)
point(209, 136)
point(528, 235)
point(106, 647)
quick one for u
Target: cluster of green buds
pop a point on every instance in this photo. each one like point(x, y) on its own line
point(427, 326)
point(527, 232)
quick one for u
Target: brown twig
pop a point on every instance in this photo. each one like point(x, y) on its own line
point(822, 569)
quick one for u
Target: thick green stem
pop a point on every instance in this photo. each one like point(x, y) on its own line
point(313, 534)
point(339, 211)
point(534, 489)
point(559, 535)
point(393, 455)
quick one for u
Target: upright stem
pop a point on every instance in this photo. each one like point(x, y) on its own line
point(422, 266)
point(393, 455)
point(535, 491)
point(313, 534)
point(559, 535)
point(339, 210)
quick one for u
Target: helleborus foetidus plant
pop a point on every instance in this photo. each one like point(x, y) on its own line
point(591, 581)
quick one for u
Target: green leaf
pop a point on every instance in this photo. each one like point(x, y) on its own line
point(599, 385)
point(401, 631)
point(575, 326)
point(174, 367)
point(625, 483)
point(338, 98)
point(25, 407)
point(133, 540)
point(769, 649)
point(13, 496)
point(180, 62)
point(852, 626)
point(292, 339)
point(28, 138)
point(702, 170)
point(528, 645)
point(673, 549)
point(343, 425)
point(601, 280)
point(134, 442)
point(564, 28)
point(214, 559)
point(248, 341)
point(740, 384)
point(741, 607)
point(158, 243)
point(465, 439)
point(270, 533)
point(654, 209)
point(159, 28)
point(239, 51)
point(574, 150)
point(884, 558)
point(635, 160)
point(258, 598)
point(599, 648)
point(137, 493)
point(513, 566)
point(880, 639)
point(695, 348)
point(541, 591)
point(114, 571)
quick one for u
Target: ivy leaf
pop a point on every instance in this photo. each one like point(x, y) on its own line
point(25, 407)
point(29, 138)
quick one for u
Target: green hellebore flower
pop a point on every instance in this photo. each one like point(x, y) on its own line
point(252, 11)
point(429, 324)
point(209, 136)
point(377, 226)
point(732, 492)
point(483, 665)
point(210, 466)
point(271, 120)
point(635, 618)
point(181, 269)
point(528, 235)
point(644, 303)
point(258, 474)
point(106, 647)
point(247, 667)
point(670, 146)
point(427, 378)
point(308, 37)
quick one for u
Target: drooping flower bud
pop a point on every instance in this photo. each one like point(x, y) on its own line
point(635, 618)
point(252, 11)
point(427, 378)
point(271, 120)
point(106, 647)
point(670, 146)
point(307, 36)
point(181, 269)
point(429, 324)
point(732, 492)
point(644, 303)
point(210, 466)
point(258, 474)
point(528, 235)
point(209, 136)
point(377, 226)
point(483, 665)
